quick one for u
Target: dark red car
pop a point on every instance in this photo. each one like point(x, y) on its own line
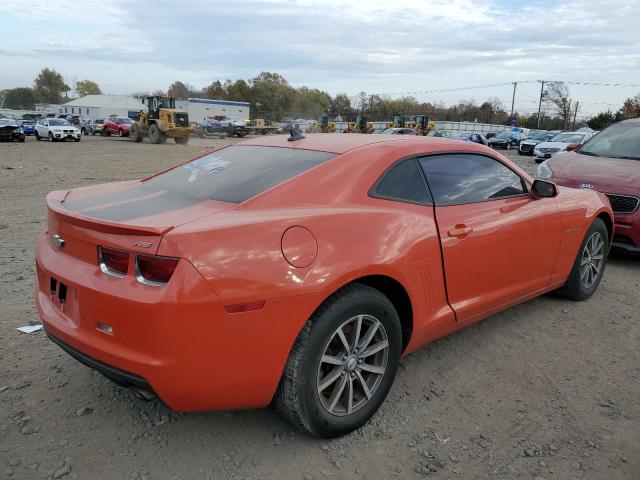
point(610, 163)
point(117, 126)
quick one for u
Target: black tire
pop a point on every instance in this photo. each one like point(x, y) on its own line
point(298, 397)
point(575, 287)
point(182, 140)
point(135, 133)
point(155, 135)
point(38, 137)
point(21, 139)
point(51, 139)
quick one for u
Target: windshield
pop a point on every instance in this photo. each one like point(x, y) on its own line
point(542, 136)
point(26, 122)
point(235, 174)
point(8, 121)
point(389, 131)
point(503, 136)
point(58, 122)
point(568, 137)
point(125, 120)
point(621, 140)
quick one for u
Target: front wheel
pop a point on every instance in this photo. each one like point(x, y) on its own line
point(342, 364)
point(38, 137)
point(589, 264)
point(181, 140)
point(51, 139)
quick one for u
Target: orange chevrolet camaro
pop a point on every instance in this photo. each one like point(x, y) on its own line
point(299, 270)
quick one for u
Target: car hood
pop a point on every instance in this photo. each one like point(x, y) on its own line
point(9, 127)
point(560, 145)
point(603, 173)
point(531, 141)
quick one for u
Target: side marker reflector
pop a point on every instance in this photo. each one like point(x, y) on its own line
point(244, 307)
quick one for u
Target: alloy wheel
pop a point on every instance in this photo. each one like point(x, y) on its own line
point(352, 366)
point(592, 260)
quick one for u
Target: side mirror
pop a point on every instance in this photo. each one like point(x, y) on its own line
point(544, 189)
point(572, 146)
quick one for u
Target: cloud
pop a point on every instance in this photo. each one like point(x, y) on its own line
point(375, 45)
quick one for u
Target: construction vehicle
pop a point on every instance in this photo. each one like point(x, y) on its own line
point(398, 122)
point(360, 125)
point(263, 127)
point(422, 125)
point(162, 121)
point(323, 125)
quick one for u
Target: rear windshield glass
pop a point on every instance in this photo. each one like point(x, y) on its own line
point(235, 174)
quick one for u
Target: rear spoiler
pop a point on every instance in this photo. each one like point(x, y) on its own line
point(106, 226)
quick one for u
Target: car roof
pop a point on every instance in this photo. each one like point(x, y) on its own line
point(331, 142)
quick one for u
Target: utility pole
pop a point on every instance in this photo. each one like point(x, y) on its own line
point(513, 101)
point(567, 116)
point(540, 102)
point(575, 114)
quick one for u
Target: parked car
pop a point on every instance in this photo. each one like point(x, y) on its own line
point(608, 163)
point(471, 137)
point(28, 127)
point(439, 133)
point(93, 127)
point(526, 146)
point(10, 130)
point(490, 135)
point(56, 129)
point(229, 126)
point(503, 140)
point(303, 260)
point(116, 126)
point(561, 143)
point(399, 131)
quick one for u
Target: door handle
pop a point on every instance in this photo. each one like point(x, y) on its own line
point(460, 231)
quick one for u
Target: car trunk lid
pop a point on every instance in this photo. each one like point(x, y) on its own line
point(125, 215)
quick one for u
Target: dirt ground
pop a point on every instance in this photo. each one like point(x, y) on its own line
point(546, 390)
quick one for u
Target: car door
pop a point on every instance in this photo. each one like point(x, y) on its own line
point(499, 243)
point(43, 128)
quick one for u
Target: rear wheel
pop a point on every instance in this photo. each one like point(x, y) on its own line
point(134, 133)
point(181, 140)
point(589, 264)
point(342, 364)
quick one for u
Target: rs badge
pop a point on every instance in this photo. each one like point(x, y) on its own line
point(586, 185)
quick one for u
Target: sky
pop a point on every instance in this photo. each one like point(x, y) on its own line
point(379, 46)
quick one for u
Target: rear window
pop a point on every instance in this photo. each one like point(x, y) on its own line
point(235, 174)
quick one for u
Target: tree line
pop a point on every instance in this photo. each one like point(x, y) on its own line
point(272, 97)
point(48, 87)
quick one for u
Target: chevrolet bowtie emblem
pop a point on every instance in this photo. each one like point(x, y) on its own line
point(57, 240)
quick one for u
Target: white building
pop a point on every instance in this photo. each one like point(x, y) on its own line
point(101, 106)
point(199, 109)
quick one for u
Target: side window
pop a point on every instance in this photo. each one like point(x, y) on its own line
point(403, 182)
point(468, 178)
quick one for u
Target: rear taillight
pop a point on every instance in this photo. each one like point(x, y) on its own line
point(155, 270)
point(113, 262)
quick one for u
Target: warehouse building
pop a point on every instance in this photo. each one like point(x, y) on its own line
point(92, 107)
point(199, 109)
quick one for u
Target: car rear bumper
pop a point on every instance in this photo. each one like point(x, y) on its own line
point(177, 340)
point(114, 374)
